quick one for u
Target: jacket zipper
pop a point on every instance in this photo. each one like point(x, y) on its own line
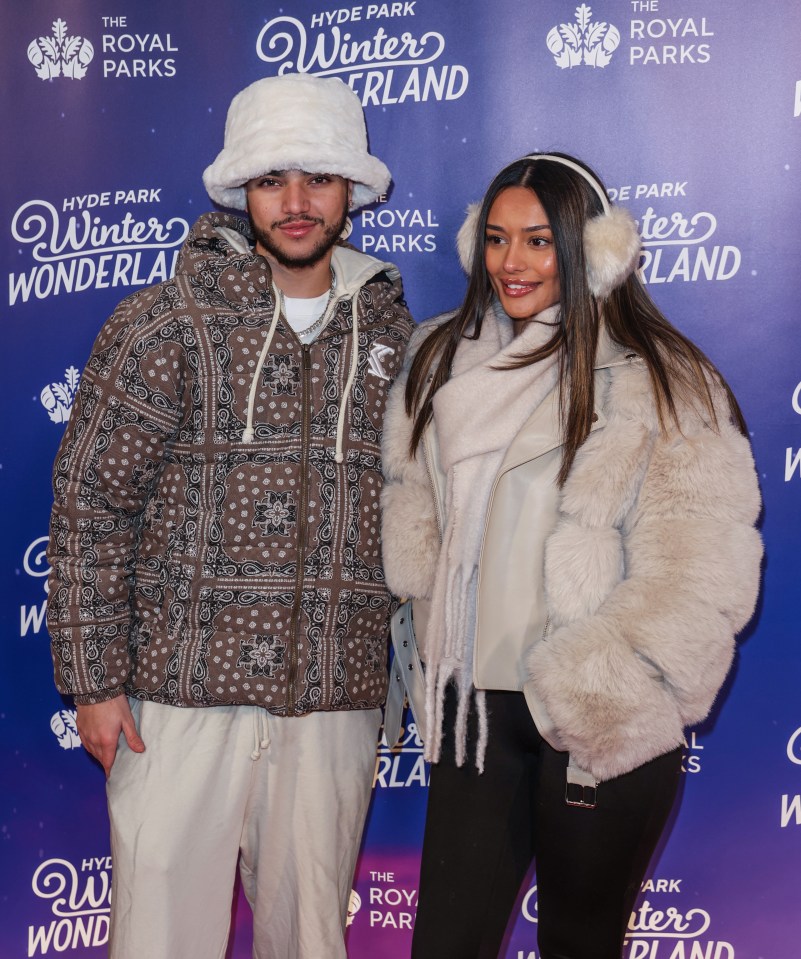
point(303, 529)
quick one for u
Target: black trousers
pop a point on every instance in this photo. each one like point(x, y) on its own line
point(483, 831)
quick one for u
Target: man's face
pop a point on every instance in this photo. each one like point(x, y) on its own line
point(297, 216)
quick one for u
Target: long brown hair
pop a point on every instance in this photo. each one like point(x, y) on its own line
point(677, 367)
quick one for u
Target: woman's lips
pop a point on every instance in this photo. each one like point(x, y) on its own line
point(516, 288)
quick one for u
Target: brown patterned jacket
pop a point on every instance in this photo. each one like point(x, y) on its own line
point(191, 567)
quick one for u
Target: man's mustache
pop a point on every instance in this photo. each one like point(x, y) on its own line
point(296, 219)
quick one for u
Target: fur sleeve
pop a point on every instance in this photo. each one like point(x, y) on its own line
point(409, 531)
point(651, 573)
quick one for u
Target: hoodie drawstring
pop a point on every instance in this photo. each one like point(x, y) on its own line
point(354, 365)
point(247, 436)
point(249, 431)
point(261, 732)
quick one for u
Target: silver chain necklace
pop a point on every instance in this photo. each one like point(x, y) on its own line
point(321, 318)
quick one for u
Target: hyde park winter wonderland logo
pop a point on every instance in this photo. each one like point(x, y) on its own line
point(79, 897)
point(586, 42)
point(60, 55)
point(383, 51)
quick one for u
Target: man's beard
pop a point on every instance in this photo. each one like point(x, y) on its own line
point(328, 240)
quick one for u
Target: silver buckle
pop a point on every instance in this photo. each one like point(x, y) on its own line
point(585, 797)
point(582, 787)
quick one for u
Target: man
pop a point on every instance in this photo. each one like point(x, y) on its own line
point(215, 545)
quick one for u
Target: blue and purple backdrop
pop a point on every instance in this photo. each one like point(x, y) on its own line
point(689, 109)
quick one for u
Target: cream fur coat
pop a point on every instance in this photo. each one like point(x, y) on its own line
point(652, 570)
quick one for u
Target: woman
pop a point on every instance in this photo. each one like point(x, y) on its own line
point(570, 485)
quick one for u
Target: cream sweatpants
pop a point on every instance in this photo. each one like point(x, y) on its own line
point(286, 797)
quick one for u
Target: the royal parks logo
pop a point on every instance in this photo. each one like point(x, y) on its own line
point(57, 398)
point(583, 42)
point(64, 726)
point(354, 905)
point(60, 55)
point(129, 51)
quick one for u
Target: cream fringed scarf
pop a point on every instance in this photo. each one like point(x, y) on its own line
point(477, 414)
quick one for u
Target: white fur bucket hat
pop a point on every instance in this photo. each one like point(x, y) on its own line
point(295, 122)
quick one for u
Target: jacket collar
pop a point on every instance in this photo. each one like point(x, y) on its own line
point(609, 353)
point(352, 268)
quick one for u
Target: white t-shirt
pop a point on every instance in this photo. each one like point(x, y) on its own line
point(303, 313)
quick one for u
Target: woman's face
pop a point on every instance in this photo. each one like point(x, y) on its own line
point(519, 254)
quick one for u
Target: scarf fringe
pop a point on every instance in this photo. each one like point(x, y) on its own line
point(436, 684)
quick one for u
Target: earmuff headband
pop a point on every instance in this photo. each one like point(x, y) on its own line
point(578, 168)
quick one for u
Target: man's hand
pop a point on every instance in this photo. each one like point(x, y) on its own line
point(99, 726)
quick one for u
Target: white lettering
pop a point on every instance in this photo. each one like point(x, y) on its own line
point(791, 809)
point(661, 885)
point(74, 276)
point(676, 229)
point(135, 42)
point(390, 920)
point(37, 222)
point(31, 617)
point(140, 68)
point(284, 39)
point(792, 462)
point(58, 880)
point(670, 53)
point(405, 9)
point(63, 934)
point(392, 770)
point(400, 243)
point(446, 82)
point(793, 755)
point(529, 908)
point(672, 922)
point(797, 399)
point(97, 862)
point(656, 29)
point(715, 263)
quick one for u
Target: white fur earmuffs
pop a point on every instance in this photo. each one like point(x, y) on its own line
point(611, 239)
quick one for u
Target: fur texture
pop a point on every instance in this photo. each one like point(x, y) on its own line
point(295, 122)
point(652, 570)
point(466, 237)
point(409, 520)
point(612, 249)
